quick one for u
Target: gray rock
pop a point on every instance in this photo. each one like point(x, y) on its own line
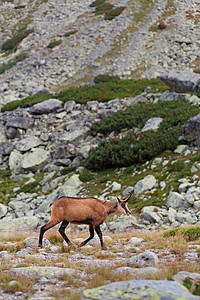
point(176, 200)
point(15, 160)
point(3, 210)
point(135, 240)
point(20, 122)
point(149, 214)
point(48, 272)
point(139, 289)
point(123, 223)
point(180, 276)
point(24, 224)
point(182, 81)
point(27, 143)
point(71, 186)
point(35, 160)
point(146, 259)
point(6, 148)
point(146, 184)
point(137, 273)
point(32, 242)
point(46, 107)
point(191, 130)
point(64, 151)
point(69, 106)
point(152, 124)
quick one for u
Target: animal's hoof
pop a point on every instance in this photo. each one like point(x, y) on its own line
point(71, 245)
point(81, 245)
point(40, 246)
point(104, 248)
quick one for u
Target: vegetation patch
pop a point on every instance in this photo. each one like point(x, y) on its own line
point(26, 102)
point(13, 62)
point(112, 13)
point(137, 148)
point(103, 7)
point(71, 32)
point(190, 233)
point(11, 44)
point(54, 43)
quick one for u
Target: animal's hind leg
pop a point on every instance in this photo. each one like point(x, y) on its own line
point(44, 228)
point(91, 236)
point(98, 231)
point(62, 232)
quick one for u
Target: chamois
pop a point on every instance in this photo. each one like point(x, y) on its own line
point(89, 211)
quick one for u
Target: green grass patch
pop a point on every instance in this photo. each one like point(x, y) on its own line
point(112, 13)
point(26, 102)
point(86, 175)
point(54, 43)
point(103, 8)
point(71, 32)
point(189, 233)
point(13, 62)
point(139, 148)
point(11, 44)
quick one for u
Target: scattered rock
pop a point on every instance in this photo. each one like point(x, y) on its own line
point(146, 259)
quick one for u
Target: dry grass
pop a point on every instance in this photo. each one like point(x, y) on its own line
point(171, 251)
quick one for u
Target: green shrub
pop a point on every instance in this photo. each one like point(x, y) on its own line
point(26, 102)
point(54, 43)
point(111, 14)
point(102, 8)
point(5, 173)
point(106, 78)
point(138, 148)
point(86, 175)
point(189, 233)
point(132, 149)
point(67, 170)
point(13, 62)
point(173, 112)
point(70, 33)
point(97, 3)
point(12, 43)
point(105, 91)
point(176, 167)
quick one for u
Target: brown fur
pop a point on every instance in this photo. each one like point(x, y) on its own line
point(90, 211)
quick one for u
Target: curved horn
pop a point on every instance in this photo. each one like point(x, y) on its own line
point(129, 197)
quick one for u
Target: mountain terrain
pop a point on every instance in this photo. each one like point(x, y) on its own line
point(100, 99)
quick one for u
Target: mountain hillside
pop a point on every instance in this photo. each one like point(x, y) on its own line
point(59, 43)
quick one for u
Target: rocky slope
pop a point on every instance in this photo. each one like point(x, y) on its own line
point(130, 45)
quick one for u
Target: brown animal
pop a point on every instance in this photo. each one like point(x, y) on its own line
point(90, 211)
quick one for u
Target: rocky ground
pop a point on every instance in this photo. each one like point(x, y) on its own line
point(129, 45)
point(57, 272)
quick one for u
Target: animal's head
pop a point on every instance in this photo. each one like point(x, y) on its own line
point(122, 204)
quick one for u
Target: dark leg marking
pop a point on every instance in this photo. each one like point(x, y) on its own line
point(98, 231)
point(43, 229)
point(62, 232)
point(91, 236)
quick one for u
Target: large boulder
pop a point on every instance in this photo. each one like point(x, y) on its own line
point(146, 184)
point(27, 143)
point(46, 107)
point(139, 289)
point(6, 148)
point(191, 130)
point(20, 122)
point(177, 201)
point(24, 224)
point(142, 260)
point(152, 124)
point(35, 160)
point(181, 81)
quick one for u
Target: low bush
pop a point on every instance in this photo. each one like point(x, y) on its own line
point(111, 14)
point(106, 78)
point(138, 148)
point(189, 233)
point(103, 8)
point(13, 62)
point(86, 175)
point(173, 113)
point(11, 44)
point(26, 102)
point(71, 32)
point(97, 2)
point(54, 43)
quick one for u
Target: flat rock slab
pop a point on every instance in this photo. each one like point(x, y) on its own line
point(46, 107)
point(140, 290)
point(20, 122)
point(182, 82)
point(23, 224)
point(48, 272)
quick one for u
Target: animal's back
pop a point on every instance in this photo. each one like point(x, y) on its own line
point(79, 210)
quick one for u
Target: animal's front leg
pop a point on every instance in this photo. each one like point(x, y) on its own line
point(98, 231)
